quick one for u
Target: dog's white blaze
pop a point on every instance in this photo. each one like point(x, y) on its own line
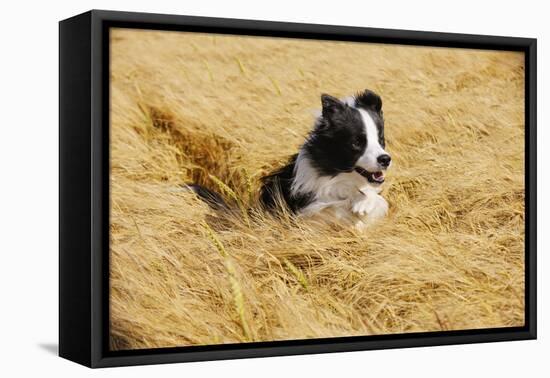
point(369, 159)
point(350, 101)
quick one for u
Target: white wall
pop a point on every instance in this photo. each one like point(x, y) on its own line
point(28, 211)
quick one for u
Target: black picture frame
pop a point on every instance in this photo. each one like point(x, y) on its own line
point(84, 187)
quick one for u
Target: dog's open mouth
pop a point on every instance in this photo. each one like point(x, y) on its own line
point(373, 177)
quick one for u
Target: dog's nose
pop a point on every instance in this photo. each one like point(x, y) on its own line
point(384, 160)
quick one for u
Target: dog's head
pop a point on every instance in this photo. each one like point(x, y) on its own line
point(349, 136)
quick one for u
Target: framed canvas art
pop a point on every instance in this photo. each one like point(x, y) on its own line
point(234, 188)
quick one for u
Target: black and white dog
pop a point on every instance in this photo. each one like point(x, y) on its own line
point(338, 172)
point(340, 167)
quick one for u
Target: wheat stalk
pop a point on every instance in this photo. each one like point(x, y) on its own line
point(238, 297)
point(210, 74)
point(248, 181)
point(236, 290)
point(214, 239)
point(241, 66)
point(277, 88)
point(231, 193)
point(297, 273)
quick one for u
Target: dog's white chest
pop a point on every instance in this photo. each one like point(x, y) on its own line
point(347, 199)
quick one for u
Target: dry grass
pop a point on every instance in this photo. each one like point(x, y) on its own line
point(224, 110)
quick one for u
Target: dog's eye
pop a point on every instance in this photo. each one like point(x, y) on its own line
point(357, 144)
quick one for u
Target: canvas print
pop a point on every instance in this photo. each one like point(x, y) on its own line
point(269, 189)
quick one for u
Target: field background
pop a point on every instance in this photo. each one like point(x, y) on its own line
point(224, 110)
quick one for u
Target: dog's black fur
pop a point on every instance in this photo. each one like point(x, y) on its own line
point(213, 199)
point(275, 190)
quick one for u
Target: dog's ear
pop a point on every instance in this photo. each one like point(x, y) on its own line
point(369, 100)
point(331, 105)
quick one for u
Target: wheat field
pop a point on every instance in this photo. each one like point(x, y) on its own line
point(222, 111)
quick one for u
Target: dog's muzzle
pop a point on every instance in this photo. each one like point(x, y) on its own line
point(372, 177)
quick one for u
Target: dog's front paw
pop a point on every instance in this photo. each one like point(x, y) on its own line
point(361, 207)
point(372, 205)
point(379, 209)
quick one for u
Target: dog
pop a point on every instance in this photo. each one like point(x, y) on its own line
point(338, 171)
point(340, 168)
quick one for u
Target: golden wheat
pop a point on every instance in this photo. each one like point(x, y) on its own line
point(223, 111)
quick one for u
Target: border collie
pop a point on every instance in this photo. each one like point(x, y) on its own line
point(338, 172)
point(339, 169)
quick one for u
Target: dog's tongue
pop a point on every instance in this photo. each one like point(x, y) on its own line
point(378, 176)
